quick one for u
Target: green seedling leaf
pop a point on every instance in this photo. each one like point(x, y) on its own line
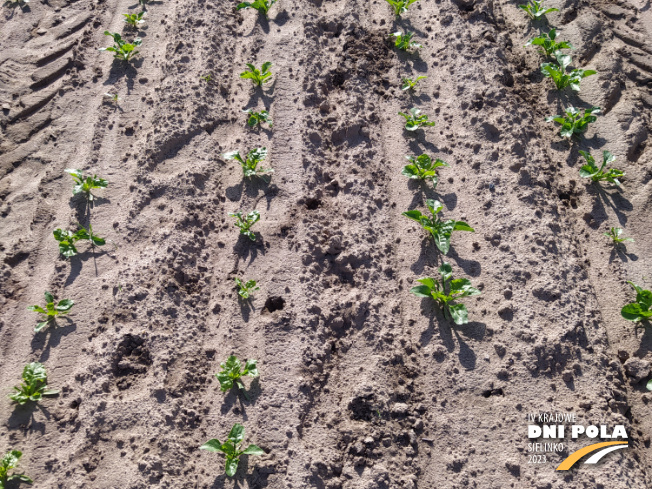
point(404, 42)
point(409, 84)
point(414, 119)
point(7, 463)
point(445, 291)
point(51, 310)
point(591, 170)
point(134, 20)
point(423, 168)
point(232, 449)
point(257, 118)
point(439, 229)
point(258, 77)
point(251, 162)
point(207, 78)
point(114, 98)
point(641, 309)
point(84, 185)
point(614, 234)
point(245, 223)
point(245, 289)
point(548, 44)
point(231, 373)
point(67, 239)
point(400, 6)
point(34, 385)
point(535, 9)
point(572, 122)
point(122, 50)
point(262, 6)
point(557, 72)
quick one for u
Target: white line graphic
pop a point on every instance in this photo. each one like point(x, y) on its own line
point(596, 457)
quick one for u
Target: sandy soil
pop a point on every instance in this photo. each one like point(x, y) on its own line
point(362, 384)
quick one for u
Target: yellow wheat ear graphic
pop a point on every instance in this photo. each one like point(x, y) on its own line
point(575, 456)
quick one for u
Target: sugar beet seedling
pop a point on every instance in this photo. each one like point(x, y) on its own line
point(262, 6)
point(548, 43)
point(246, 289)
point(415, 120)
point(67, 240)
point(51, 310)
point(231, 373)
point(404, 42)
point(7, 463)
point(572, 122)
point(400, 6)
point(437, 290)
point(423, 168)
point(557, 71)
point(257, 118)
point(34, 385)
point(232, 449)
point(535, 9)
point(122, 50)
point(641, 309)
point(258, 77)
point(409, 84)
point(590, 170)
point(85, 185)
point(245, 223)
point(134, 20)
point(614, 234)
point(439, 229)
point(250, 162)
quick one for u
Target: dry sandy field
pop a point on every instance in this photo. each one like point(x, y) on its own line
point(362, 384)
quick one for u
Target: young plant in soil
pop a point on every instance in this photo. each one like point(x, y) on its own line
point(536, 10)
point(257, 118)
point(409, 84)
point(245, 289)
point(400, 6)
point(423, 168)
point(245, 223)
point(404, 42)
point(85, 185)
point(251, 162)
point(231, 373)
point(113, 97)
point(590, 170)
point(641, 309)
point(614, 234)
point(206, 78)
point(34, 385)
point(232, 448)
point(445, 291)
point(134, 20)
point(414, 119)
point(9, 462)
point(572, 122)
point(548, 43)
point(51, 310)
point(262, 6)
point(557, 71)
point(67, 240)
point(123, 50)
point(258, 77)
point(440, 230)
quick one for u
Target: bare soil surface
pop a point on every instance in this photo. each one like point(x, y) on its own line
point(362, 384)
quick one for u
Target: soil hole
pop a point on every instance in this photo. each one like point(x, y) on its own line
point(274, 303)
point(312, 204)
point(492, 392)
